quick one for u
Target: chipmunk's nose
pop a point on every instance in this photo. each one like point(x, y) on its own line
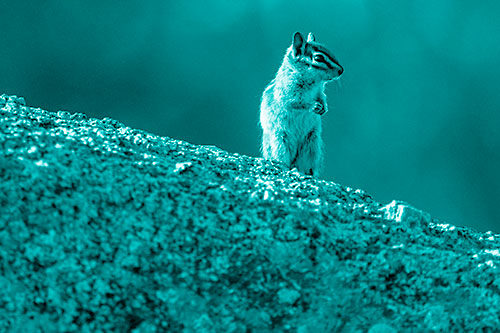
point(340, 70)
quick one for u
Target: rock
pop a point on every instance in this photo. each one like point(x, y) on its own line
point(105, 227)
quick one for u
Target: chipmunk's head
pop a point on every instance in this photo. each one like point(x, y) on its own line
point(313, 59)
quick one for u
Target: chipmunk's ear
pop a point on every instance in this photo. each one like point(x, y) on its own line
point(298, 44)
point(310, 37)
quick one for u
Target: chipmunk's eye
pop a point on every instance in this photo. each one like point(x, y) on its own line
point(319, 58)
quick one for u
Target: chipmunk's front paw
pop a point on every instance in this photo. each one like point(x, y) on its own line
point(319, 108)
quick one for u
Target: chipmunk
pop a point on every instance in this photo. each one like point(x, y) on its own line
point(293, 103)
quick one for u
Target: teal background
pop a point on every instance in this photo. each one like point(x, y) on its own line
point(415, 116)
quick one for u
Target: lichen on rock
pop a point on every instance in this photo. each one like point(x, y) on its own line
point(108, 228)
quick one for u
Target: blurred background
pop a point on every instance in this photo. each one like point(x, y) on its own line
point(415, 117)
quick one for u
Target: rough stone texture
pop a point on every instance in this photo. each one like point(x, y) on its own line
point(104, 227)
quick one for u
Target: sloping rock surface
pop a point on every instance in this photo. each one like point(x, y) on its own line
point(108, 228)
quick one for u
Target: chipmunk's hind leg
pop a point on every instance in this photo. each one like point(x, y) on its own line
point(275, 147)
point(310, 155)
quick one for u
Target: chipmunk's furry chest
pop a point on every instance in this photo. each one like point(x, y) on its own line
point(292, 108)
point(299, 120)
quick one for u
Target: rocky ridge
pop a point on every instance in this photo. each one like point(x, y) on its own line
point(108, 228)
